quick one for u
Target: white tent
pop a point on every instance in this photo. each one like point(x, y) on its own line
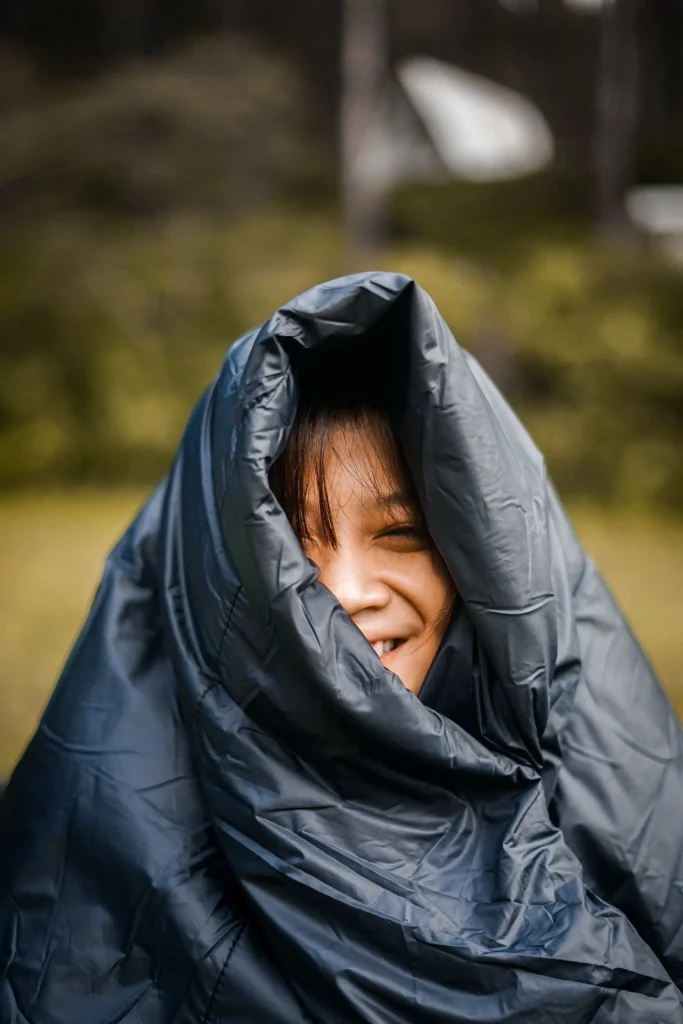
point(482, 131)
point(657, 210)
point(440, 121)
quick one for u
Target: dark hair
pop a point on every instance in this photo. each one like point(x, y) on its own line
point(339, 396)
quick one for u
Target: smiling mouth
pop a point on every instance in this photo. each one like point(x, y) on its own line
point(382, 647)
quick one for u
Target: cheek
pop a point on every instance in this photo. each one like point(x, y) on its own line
point(429, 588)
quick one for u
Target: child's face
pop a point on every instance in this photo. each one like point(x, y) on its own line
point(384, 570)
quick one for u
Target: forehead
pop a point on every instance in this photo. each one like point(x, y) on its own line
point(358, 463)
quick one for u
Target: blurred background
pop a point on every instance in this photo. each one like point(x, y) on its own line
point(172, 172)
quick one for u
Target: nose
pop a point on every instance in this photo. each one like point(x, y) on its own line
point(349, 574)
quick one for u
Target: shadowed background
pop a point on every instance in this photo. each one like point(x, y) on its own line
point(170, 174)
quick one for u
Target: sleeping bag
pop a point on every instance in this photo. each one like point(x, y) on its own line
point(231, 813)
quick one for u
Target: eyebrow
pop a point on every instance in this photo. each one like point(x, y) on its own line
point(396, 499)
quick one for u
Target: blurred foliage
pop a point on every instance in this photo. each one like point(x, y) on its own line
point(108, 335)
point(19, 79)
point(161, 212)
point(591, 355)
point(212, 126)
point(497, 221)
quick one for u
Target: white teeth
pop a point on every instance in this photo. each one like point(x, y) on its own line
point(381, 647)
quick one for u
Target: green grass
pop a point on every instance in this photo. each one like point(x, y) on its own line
point(52, 548)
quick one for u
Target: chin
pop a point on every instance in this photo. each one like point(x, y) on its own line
point(411, 680)
point(402, 664)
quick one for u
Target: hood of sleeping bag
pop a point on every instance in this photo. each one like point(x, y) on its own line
point(232, 812)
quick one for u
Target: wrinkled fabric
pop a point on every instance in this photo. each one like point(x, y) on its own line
point(231, 812)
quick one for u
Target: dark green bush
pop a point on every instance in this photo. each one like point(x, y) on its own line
point(213, 127)
point(108, 335)
point(591, 356)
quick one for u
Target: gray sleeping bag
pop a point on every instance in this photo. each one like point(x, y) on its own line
point(231, 812)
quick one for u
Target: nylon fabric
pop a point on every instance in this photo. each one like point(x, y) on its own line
point(231, 812)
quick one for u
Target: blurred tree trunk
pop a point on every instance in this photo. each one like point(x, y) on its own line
point(365, 47)
point(617, 119)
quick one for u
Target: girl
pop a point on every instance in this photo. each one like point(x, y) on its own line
point(354, 731)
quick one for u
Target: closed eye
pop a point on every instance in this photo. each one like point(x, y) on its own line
point(403, 531)
point(405, 537)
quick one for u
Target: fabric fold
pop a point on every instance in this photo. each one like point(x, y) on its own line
point(232, 811)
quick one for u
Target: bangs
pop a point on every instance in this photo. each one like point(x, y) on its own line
point(300, 479)
point(347, 398)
